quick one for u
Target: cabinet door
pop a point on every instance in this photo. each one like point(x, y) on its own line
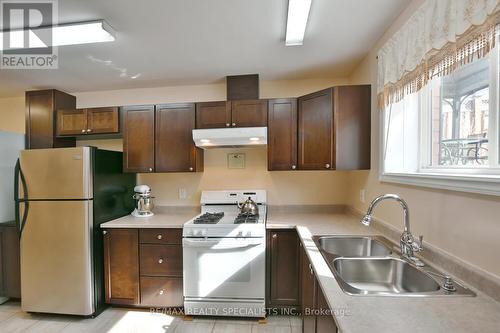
point(41, 106)
point(138, 139)
point(175, 149)
point(121, 266)
point(352, 113)
point(282, 134)
point(102, 120)
point(10, 274)
point(213, 114)
point(315, 124)
point(324, 321)
point(71, 122)
point(283, 258)
point(249, 113)
point(307, 294)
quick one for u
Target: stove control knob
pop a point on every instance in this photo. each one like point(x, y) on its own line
point(204, 232)
point(240, 234)
point(189, 232)
point(249, 234)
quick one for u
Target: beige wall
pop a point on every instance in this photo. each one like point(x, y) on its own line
point(283, 187)
point(12, 114)
point(466, 226)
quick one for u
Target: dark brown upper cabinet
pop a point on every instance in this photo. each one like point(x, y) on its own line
point(282, 134)
point(213, 114)
point(75, 122)
point(249, 113)
point(244, 113)
point(41, 106)
point(138, 138)
point(71, 122)
point(175, 150)
point(334, 129)
point(103, 120)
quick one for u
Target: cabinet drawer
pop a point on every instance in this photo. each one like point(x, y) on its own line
point(160, 260)
point(161, 291)
point(160, 236)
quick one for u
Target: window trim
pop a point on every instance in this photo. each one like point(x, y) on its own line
point(472, 180)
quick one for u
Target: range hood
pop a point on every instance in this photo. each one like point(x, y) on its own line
point(230, 137)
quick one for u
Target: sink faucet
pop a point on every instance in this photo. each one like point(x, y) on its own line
point(409, 245)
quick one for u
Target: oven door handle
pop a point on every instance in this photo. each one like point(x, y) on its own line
point(221, 244)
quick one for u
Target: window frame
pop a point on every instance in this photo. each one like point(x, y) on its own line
point(482, 180)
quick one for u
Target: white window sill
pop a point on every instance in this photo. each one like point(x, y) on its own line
point(481, 184)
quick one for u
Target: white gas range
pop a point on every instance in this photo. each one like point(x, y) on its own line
point(224, 256)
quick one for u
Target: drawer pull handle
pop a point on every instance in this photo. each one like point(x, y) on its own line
point(162, 292)
point(159, 237)
point(160, 261)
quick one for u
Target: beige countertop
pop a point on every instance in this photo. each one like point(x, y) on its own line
point(165, 217)
point(356, 313)
point(385, 314)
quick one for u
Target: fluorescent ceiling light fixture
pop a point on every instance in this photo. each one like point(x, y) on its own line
point(298, 13)
point(204, 141)
point(254, 139)
point(65, 34)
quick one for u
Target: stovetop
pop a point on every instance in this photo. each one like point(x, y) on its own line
point(221, 217)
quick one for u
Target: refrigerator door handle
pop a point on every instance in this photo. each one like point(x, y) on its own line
point(18, 175)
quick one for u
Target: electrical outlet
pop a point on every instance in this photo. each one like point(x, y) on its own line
point(182, 193)
point(362, 194)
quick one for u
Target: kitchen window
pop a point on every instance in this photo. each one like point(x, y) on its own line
point(446, 135)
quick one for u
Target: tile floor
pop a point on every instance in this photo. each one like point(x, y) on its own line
point(115, 320)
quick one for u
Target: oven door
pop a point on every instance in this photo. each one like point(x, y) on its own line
point(224, 268)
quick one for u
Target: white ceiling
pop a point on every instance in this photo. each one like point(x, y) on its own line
point(177, 42)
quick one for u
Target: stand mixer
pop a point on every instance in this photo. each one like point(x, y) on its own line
point(143, 201)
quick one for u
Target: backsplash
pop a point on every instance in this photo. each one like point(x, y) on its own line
point(283, 187)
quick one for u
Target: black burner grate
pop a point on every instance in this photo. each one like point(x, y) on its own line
point(209, 218)
point(246, 218)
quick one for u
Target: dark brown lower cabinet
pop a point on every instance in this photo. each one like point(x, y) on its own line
point(307, 294)
point(143, 267)
point(121, 266)
point(161, 291)
point(283, 290)
point(324, 320)
point(10, 274)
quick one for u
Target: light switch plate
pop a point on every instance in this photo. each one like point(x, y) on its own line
point(182, 193)
point(236, 161)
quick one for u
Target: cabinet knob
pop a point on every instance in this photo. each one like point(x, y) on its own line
point(294, 167)
point(234, 124)
point(83, 131)
point(159, 236)
point(89, 130)
point(150, 169)
point(161, 292)
point(104, 232)
point(327, 166)
point(311, 269)
point(275, 236)
point(228, 124)
point(191, 169)
point(160, 261)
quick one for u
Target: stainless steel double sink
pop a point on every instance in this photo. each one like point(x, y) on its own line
point(370, 265)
